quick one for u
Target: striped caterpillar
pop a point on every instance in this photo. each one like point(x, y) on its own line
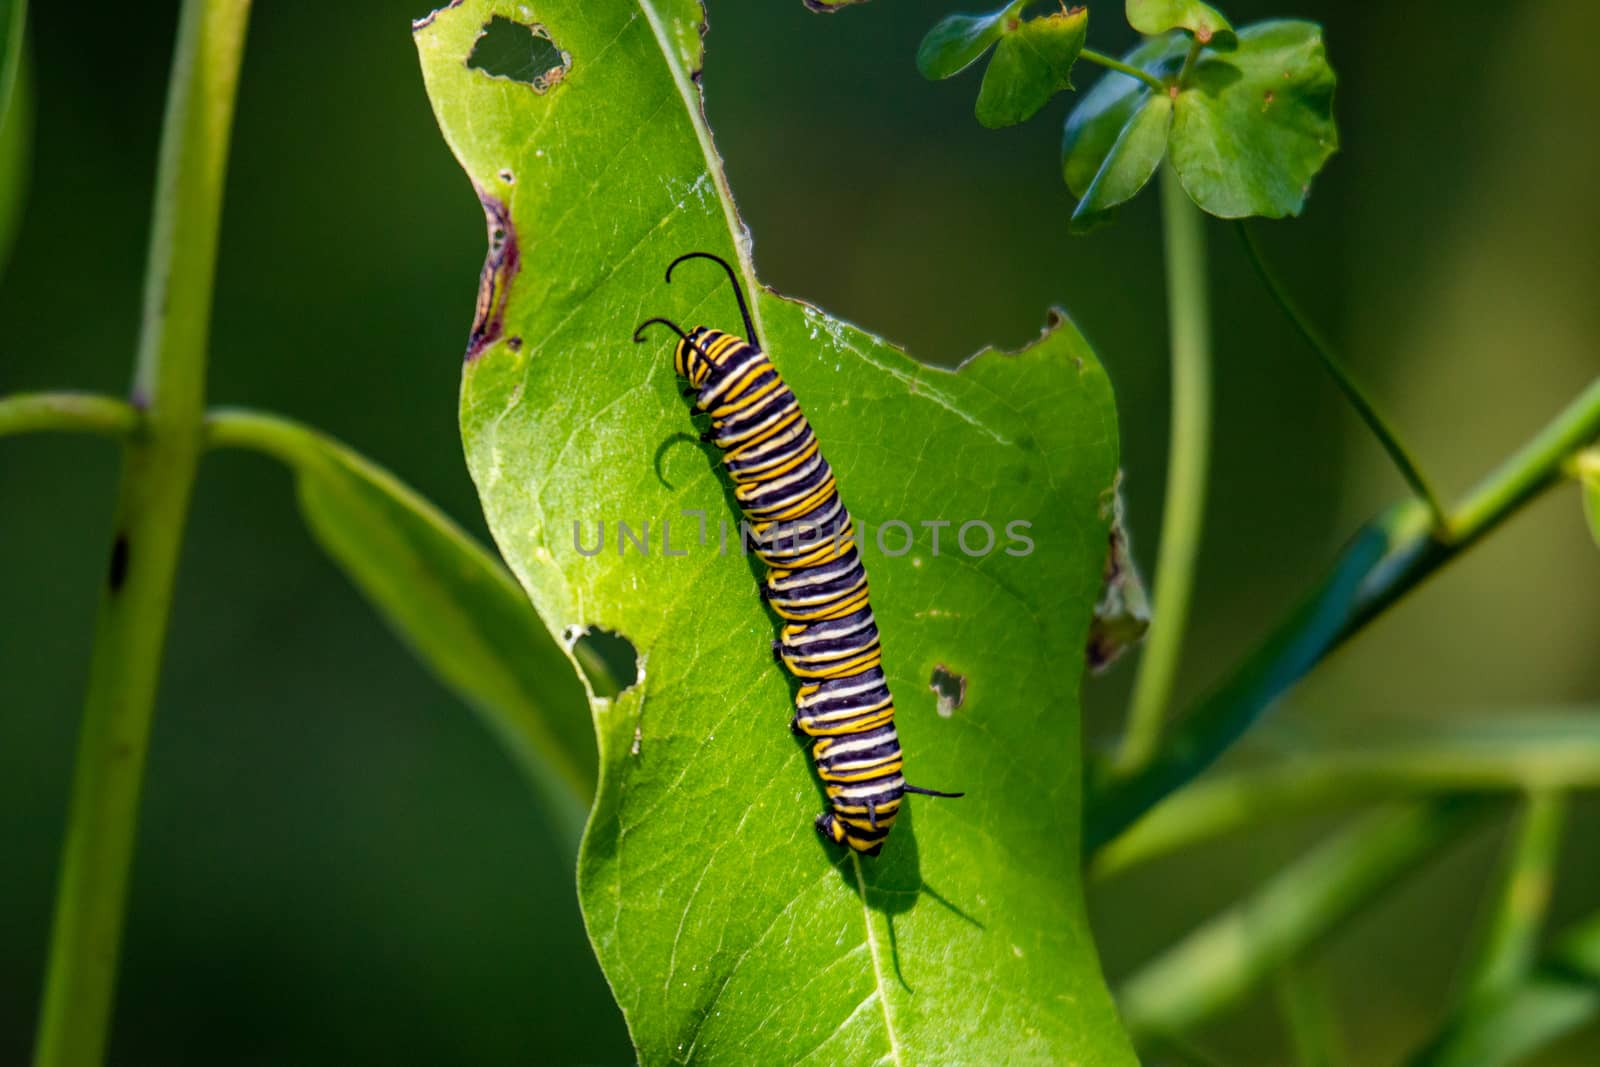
point(815, 580)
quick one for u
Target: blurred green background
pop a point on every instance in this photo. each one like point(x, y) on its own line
point(336, 863)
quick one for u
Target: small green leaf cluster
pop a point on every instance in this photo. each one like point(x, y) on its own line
point(1244, 116)
point(1032, 60)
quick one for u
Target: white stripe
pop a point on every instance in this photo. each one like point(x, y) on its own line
point(841, 692)
point(738, 433)
point(860, 792)
point(826, 631)
point(880, 736)
point(730, 375)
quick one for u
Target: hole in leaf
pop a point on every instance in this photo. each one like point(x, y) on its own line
point(608, 660)
point(519, 53)
point(950, 688)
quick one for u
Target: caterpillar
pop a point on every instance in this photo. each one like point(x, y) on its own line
point(815, 582)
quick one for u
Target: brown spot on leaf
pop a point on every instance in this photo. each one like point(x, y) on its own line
point(427, 20)
point(950, 688)
point(494, 281)
point(118, 571)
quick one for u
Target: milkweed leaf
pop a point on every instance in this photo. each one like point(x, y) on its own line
point(730, 932)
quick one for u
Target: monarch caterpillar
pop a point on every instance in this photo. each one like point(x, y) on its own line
point(815, 581)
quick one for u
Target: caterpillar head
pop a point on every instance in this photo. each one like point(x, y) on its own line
point(691, 360)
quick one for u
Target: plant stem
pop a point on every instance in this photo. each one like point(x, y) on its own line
point(1558, 998)
point(1401, 456)
point(1219, 963)
point(1183, 517)
point(1188, 62)
point(1510, 936)
point(1306, 1006)
point(67, 413)
point(1388, 558)
point(1123, 68)
point(1526, 752)
point(158, 473)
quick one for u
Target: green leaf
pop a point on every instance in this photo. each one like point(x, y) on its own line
point(1094, 127)
point(1030, 65)
point(958, 41)
point(1129, 165)
point(730, 932)
point(1252, 128)
point(16, 119)
point(1204, 22)
point(451, 601)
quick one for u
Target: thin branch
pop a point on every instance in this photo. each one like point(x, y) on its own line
point(1388, 558)
point(1528, 751)
point(1381, 427)
point(158, 475)
point(1555, 1000)
point(1188, 451)
point(24, 413)
point(1306, 1005)
point(1509, 939)
point(1123, 68)
point(1221, 962)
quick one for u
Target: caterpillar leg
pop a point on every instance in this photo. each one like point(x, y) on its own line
point(795, 728)
point(830, 828)
point(834, 830)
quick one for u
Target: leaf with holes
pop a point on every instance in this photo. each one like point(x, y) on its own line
point(730, 931)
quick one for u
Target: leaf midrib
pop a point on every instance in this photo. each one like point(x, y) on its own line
point(692, 106)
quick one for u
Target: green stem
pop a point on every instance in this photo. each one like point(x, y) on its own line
point(1307, 1008)
point(1219, 964)
point(1183, 516)
point(1123, 68)
point(1510, 935)
point(158, 474)
point(1528, 751)
point(1188, 62)
point(1389, 557)
point(1401, 456)
point(67, 413)
point(1555, 1000)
